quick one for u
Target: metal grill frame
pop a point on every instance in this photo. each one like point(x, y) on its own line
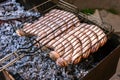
point(61, 5)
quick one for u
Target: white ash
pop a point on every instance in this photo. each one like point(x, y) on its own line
point(35, 67)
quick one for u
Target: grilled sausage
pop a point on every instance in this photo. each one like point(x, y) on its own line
point(77, 50)
point(30, 27)
point(101, 35)
point(50, 17)
point(45, 27)
point(60, 45)
point(53, 43)
point(46, 16)
point(59, 49)
point(93, 37)
point(65, 43)
point(52, 13)
point(66, 58)
point(85, 43)
point(68, 51)
point(40, 26)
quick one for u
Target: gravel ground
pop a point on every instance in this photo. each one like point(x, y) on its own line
point(35, 67)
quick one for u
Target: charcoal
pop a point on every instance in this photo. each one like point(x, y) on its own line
point(12, 11)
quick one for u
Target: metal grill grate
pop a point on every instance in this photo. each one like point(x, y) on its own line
point(62, 36)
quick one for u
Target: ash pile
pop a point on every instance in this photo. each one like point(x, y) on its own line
point(32, 67)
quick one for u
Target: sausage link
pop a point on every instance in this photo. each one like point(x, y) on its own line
point(84, 40)
point(101, 35)
point(93, 37)
point(46, 16)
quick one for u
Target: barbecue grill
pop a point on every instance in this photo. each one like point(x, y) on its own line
point(49, 7)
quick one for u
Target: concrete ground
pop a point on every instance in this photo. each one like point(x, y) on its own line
point(107, 17)
point(112, 19)
point(101, 4)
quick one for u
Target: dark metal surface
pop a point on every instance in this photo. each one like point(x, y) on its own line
point(108, 64)
point(2, 0)
point(2, 76)
point(106, 68)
